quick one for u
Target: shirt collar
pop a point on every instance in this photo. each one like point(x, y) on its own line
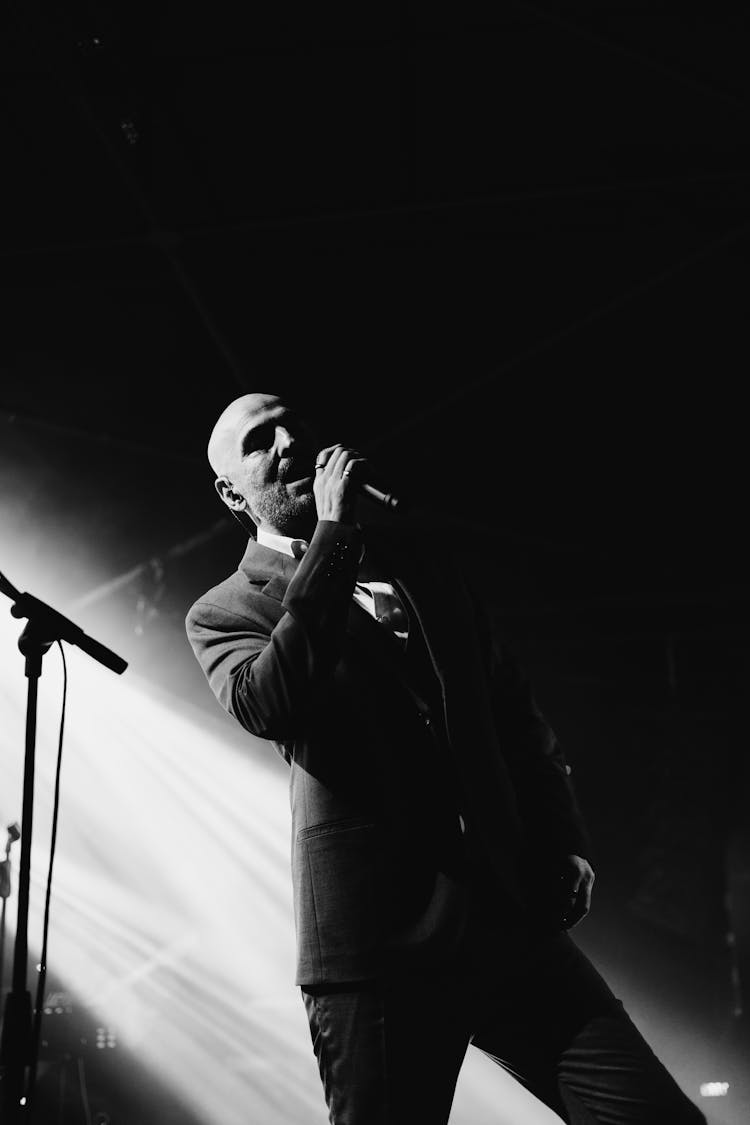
point(277, 542)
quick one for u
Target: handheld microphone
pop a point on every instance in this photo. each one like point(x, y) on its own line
point(385, 499)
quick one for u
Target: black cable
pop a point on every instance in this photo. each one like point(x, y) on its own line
point(39, 1005)
point(246, 522)
point(83, 1091)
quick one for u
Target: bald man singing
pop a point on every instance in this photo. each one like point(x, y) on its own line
point(439, 857)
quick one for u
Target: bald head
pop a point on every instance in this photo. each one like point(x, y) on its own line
point(263, 456)
point(224, 445)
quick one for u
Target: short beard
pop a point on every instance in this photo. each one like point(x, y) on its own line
point(283, 512)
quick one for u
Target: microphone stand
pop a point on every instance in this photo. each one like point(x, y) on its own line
point(17, 1064)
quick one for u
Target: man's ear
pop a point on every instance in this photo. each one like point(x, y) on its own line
point(233, 500)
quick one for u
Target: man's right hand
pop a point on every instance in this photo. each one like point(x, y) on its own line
point(335, 488)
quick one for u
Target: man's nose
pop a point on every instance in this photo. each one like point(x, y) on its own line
point(284, 440)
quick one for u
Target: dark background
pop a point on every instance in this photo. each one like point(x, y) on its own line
point(504, 249)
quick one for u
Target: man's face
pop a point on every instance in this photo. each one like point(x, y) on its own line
point(269, 458)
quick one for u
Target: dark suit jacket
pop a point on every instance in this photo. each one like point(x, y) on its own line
point(386, 750)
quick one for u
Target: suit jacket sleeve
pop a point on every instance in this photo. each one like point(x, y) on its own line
point(535, 759)
point(268, 672)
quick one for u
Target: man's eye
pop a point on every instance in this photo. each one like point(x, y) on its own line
point(258, 440)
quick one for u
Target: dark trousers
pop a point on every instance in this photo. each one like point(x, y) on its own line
point(390, 1052)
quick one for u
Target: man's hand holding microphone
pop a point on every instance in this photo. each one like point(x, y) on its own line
point(339, 478)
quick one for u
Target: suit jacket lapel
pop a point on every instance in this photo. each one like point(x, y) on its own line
point(261, 563)
point(432, 608)
point(382, 654)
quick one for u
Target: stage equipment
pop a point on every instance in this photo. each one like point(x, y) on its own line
point(19, 1047)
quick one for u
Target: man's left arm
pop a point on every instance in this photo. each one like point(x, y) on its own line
point(559, 840)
